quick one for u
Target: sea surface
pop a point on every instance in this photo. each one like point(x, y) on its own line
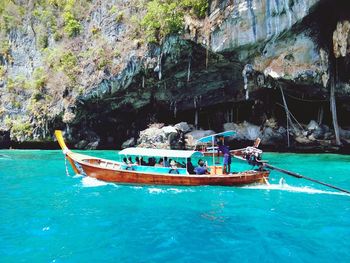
point(49, 215)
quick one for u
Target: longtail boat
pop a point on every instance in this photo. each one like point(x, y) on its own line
point(123, 173)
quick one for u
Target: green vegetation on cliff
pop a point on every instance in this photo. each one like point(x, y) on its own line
point(53, 16)
point(167, 17)
point(52, 51)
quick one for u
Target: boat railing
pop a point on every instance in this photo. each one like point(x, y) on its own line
point(103, 163)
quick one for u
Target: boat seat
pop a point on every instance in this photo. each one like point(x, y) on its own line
point(110, 165)
point(103, 164)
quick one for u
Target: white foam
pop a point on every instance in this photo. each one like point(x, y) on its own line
point(46, 228)
point(78, 176)
point(155, 190)
point(92, 182)
point(182, 190)
point(288, 188)
point(175, 190)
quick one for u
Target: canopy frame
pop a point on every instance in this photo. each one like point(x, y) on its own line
point(211, 139)
point(150, 152)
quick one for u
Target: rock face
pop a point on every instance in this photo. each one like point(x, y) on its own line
point(228, 68)
point(249, 132)
point(193, 136)
point(179, 136)
point(248, 22)
point(257, 29)
point(128, 143)
point(244, 131)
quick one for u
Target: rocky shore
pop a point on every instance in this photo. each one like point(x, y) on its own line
point(311, 138)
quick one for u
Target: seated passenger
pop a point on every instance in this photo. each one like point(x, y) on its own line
point(173, 168)
point(129, 165)
point(137, 160)
point(190, 167)
point(180, 165)
point(159, 164)
point(151, 161)
point(165, 162)
point(201, 168)
point(142, 162)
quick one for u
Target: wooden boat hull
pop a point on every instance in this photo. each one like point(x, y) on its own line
point(132, 177)
point(111, 171)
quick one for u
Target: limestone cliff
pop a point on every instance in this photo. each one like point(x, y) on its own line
point(107, 82)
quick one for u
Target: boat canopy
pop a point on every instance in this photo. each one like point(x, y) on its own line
point(210, 138)
point(138, 151)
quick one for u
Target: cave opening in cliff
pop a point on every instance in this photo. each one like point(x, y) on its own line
point(214, 117)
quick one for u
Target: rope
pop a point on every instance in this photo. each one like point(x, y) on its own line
point(266, 181)
point(288, 120)
point(65, 163)
point(306, 100)
point(291, 114)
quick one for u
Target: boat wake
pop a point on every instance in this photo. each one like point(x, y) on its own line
point(154, 190)
point(282, 186)
point(288, 188)
point(87, 181)
point(92, 182)
point(4, 157)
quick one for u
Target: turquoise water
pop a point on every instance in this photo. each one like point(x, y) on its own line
point(47, 216)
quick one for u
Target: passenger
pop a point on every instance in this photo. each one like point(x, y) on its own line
point(190, 167)
point(201, 168)
point(142, 162)
point(129, 165)
point(160, 163)
point(129, 159)
point(151, 161)
point(226, 169)
point(180, 165)
point(173, 168)
point(137, 160)
point(165, 162)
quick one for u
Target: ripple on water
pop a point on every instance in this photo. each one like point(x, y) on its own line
point(47, 216)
